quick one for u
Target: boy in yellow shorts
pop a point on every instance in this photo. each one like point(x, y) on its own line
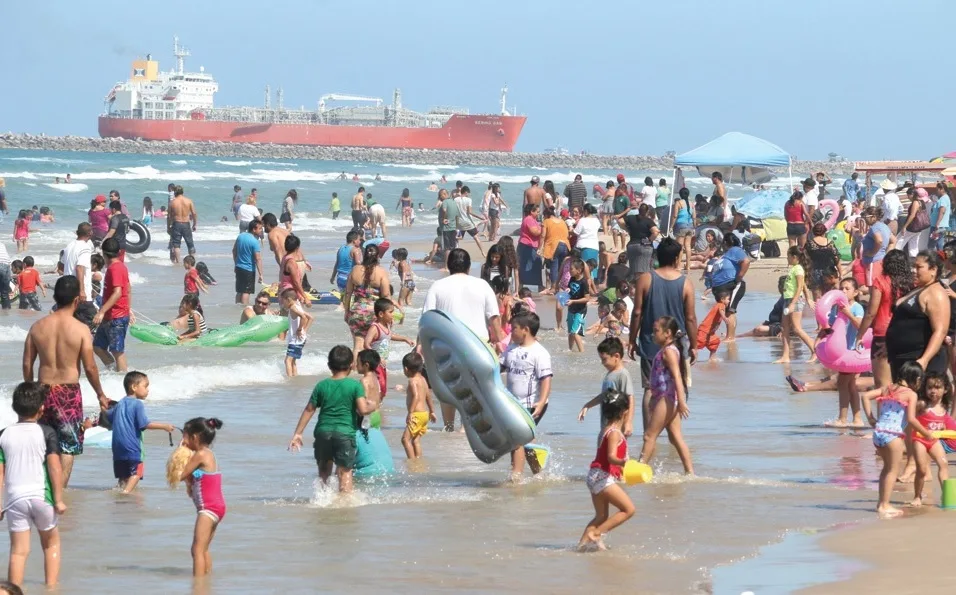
point(419, 403)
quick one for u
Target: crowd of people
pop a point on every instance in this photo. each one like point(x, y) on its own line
point(641, 286)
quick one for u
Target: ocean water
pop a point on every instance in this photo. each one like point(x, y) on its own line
point(766, 464)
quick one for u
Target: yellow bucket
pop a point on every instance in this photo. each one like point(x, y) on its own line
point(636, 472)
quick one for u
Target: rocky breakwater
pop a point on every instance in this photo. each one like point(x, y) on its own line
point(578, 162)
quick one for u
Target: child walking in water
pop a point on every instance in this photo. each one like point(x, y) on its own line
point(204, 485)
point(407, 279)
point(897, 408)
point(793, 291)
point(579, 296)
point(418, 401)
point(604, 473)
point(668, 402)
point(21, 231)
point(706, 332)
point(935, 398)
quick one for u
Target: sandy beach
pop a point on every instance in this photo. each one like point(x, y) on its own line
point(914, 554)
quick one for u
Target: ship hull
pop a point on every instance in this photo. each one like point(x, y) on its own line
point(460, 133)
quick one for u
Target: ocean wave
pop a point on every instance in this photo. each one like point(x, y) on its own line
point(420, 166)
point(12, 334)
point(58, 160)
point(178, 161)
point(22, 175)
point(74, 187)
point(233, 163)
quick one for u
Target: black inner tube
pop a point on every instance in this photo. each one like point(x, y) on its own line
point(142, 238)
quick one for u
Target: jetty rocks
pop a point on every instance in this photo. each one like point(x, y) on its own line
point(570, 162)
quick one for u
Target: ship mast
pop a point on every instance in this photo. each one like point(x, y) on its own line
point(504, 100)
point(268, 97)
point(180, 52)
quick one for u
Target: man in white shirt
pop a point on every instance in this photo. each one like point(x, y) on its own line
point(470, 300)
point(811, 196)
point(76, 262)
point(891, 205)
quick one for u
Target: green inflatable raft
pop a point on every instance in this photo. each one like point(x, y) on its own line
point(259, 328)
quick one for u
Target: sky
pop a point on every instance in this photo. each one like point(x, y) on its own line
point(862, 78)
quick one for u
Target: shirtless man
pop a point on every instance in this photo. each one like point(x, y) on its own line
point(62, 343)
point(259, 307)
point(358, 209)
point(180, 224)
point(534, 194)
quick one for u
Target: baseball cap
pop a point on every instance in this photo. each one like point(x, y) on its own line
point(100, 198)
point(620, 177)
point(535, 179)
point(564, 213)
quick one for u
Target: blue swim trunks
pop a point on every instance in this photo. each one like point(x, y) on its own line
point(341, 280)
point(111, 335)
point(576, 324)
point(294, 351)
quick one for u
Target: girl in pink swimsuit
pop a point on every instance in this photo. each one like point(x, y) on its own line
point(204, 486)
point(668, 403)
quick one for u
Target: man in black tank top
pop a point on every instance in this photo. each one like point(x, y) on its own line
point(664, 292)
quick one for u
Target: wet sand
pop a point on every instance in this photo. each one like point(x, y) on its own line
point(910, 554)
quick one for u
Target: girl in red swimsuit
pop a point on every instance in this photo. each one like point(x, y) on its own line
point(935, 399)
point(605, 472)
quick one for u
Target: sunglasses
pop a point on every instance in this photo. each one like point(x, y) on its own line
point(262, 303)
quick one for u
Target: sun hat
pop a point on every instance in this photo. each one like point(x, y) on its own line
point(888, 185)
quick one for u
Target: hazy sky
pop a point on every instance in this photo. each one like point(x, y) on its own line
point(863, 78)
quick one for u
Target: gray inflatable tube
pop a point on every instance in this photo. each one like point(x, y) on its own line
point(142, 238)
point(464, 373)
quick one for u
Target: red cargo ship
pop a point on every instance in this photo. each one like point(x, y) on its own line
point(178, 105)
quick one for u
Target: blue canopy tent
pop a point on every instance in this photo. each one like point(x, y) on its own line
point(737, 156)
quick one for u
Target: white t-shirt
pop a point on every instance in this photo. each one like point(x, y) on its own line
point(467, 298)
point(650, 195)
point(587, 230)
point(23, 451)
point(812, 198)
point(485, 201)
point(78, 253)
point(465, 221)
point(891, 206)
point(294, 323)
point(4, 255)
point(526, 367)
point(248, 212)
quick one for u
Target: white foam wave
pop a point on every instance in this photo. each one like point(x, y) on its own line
point(46, 160)
point(68, 187)
point(29, 184)
point(420, 166)
point(136, 279)
point(178, 161)
point(233, 163)
point(12, 334)
point(22, 175)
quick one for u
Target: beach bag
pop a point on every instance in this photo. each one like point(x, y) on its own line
point(921, 221)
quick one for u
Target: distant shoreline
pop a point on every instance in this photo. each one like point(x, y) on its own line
point(39, 142)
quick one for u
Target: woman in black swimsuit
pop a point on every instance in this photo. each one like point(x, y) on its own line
point(920, 320)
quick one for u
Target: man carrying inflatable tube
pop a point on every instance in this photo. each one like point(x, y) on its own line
point(468, 299)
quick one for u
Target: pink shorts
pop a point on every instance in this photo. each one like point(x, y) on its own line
point(599, 480)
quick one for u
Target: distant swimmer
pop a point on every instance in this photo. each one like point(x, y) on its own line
point(69, 180)
point(355, 178)
point(443, 179)
point(433, 187)
point(342, 176)
point(58, 180)
point(378, 178)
